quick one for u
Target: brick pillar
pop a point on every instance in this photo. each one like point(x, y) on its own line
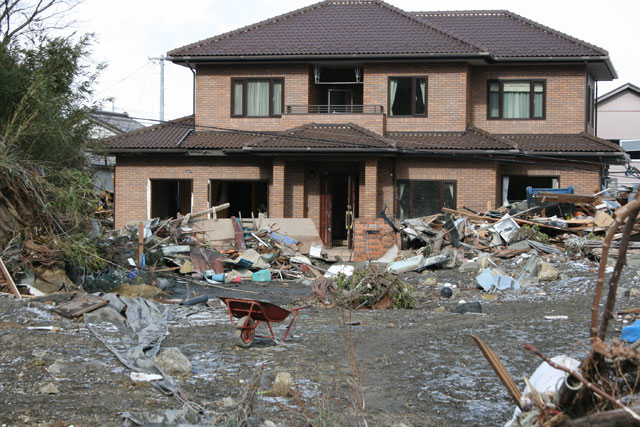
point(297, 182)
point(369, 192)
point(276, 193)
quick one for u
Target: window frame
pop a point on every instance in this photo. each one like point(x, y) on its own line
point(532, 83)
point(244, 81)
point(413, 91)
point(411, 181)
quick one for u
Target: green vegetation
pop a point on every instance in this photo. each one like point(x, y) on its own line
point(45, 96)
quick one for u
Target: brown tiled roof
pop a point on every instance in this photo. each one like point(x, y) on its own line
point(179, 135)
point(373, 27)
point(205, 140)
point(333, 27)
point(471, 139)
point(505, 34)
point(325, 136)
point(160, 136)
point(563, 143)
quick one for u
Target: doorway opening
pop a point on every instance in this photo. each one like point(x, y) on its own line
point(338, 207)
point(245, 197)
point(170, 197)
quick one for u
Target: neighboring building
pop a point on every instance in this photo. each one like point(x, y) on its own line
point(618, 114)
point(107, 124)
point(339, 110)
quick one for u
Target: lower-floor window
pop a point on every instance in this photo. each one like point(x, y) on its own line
point(421, 198)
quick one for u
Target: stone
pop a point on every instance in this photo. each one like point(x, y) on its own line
point(452, 259)
point(470, 267)
point(282, 385)
point(227, 402)
point(39, 354)
point(52, 280)
point(439, 310)
point(430, 281)
point(268, 423)
point(635, 293)
point(143, 291)
point(547, 272)
point(49, 388)
point(172, 361)
point(66, 367)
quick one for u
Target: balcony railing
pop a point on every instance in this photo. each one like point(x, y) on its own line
point(334, 109)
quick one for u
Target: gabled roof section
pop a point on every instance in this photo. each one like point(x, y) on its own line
point(117, 122)
point(330, 28)
point(563, 143)
point(616, 91)
point(507, 35)
point(315, 136)
point(471, 139)
point(161, 136)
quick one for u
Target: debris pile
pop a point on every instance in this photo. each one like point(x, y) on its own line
point(602, 388)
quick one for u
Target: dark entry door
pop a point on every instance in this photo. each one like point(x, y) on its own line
point(338, 207)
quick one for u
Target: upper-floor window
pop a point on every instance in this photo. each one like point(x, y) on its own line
point(522, 99)
point(257, 97)
point(407, 96)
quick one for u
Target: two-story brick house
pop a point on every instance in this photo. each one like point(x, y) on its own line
point(339, 110)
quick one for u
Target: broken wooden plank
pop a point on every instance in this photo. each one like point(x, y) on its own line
point(566, 198)
point(469, 216)
point(79, 306)
point(6, 280)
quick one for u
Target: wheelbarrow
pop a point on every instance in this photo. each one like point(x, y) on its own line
point(250, 313)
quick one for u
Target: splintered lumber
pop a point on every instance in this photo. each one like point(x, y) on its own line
point(566, 198)
point(500, 370)
point(470, 216)
point(211, 210)
point(79, 306)
point(6, 280)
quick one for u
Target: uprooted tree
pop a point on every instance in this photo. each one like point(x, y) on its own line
point(45, 96)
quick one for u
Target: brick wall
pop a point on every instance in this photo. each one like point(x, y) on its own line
point(133, 175)
point(565, 99)
point(371, 239)
point(446, 94)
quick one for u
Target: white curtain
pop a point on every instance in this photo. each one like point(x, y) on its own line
point(505, 190)
point(494, 100)
point(237, 98)
point(393, 88)
point(516, 100)
point(538, 98)
point(257, 98)
point(421, 102)
point(277, 98)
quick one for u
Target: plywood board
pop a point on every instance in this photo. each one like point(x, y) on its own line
point(79, 306)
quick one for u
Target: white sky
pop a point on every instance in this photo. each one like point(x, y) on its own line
point(129, 32)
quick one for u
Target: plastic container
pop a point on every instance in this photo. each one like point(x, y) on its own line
point(262, 276)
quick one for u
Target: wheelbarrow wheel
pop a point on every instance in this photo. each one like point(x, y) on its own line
point(244, 337)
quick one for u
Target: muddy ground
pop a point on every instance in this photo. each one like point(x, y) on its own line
point(418, 367)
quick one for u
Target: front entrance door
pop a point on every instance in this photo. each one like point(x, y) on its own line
point(338, 206)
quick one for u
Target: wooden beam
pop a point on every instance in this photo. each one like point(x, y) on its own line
point(5, 279)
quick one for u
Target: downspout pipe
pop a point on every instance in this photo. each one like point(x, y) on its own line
point(193, 71)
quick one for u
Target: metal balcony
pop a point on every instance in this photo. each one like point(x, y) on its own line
point(334, 109)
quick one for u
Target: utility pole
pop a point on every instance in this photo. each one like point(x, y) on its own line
point(161, 62)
